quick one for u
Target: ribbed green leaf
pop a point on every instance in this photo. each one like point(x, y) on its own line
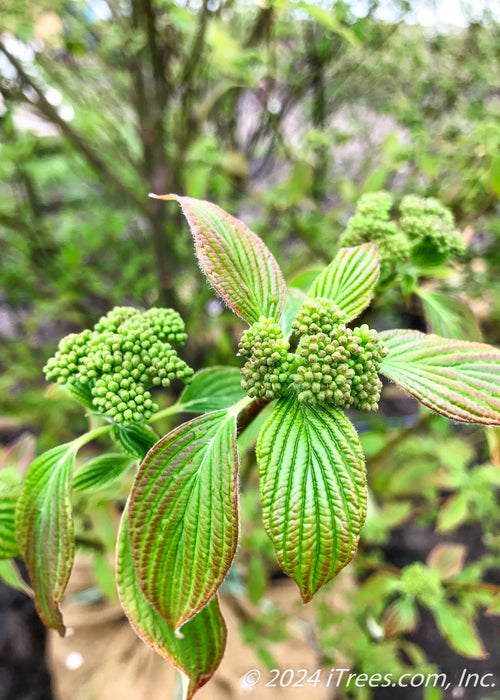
point(211, 389)
point(101, 471)
point(239, 266)
point(313, 490)
point(9, 547)
point(457, 378)
point(183, 515)
point(44, 529)
point(135, 439)
point(81, 393)
point(197, 650)
point(349, 279)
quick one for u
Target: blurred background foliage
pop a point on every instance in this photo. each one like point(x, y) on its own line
point(285, 114)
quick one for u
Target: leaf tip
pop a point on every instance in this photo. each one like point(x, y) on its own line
point(52, 619)
point(306, 595)
point(152, 195)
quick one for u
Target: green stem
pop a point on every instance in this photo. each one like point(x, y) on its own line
point(169, 411)
point(91, 435)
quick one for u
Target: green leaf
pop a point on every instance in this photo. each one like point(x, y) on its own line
point(457, 378)
point(313, 490)
point(236, 261)
point(453, 513)
point(211, 389)
point(300, 182)
point(104, 575)
point(376, 179)
point(184, 517)
point(44, 529)
point(303, 280)
point(328, 20)
point(9, 574)
point(459, 632)
point(81, 393)
point(197, 650)
point(294, 299)
point(135, 439)
point(493, 607)
point(9, 547)
point(257, 581)
point(448, 316)
point(101, 471)
point(349, 279)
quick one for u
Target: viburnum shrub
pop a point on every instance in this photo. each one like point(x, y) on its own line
point(179, 529)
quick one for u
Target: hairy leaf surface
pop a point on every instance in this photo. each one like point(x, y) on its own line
point(349, 279)
point(197, 650)
point(313, 490)
point(44, 529)
point(240, 267)
point(211, 389)
point(457, 378)
point(183, 515)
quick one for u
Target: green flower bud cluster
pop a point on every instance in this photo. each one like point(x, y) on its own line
point(120, 360)
point(430, 227)
point(267, 369)
point(332, 364)
point(317, 315)
point(371, 223)
point(337, 364)
point(422, 583)
point(424, 233)
point(166, 324)
point(366, 354)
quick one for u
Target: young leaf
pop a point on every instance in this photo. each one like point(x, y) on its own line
point(453, 513)
point(313, 490)
point(135, 439)
point(239, 266)
point(9, 547)
point(101, 471)
point(459, 632)
point(44, 529)
point(457, 378)
point(400, 617)
point(211, 389)
point(349, 279)
point(81, 393)
point(197, 650)
point(183, 515)
point(447, 558)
